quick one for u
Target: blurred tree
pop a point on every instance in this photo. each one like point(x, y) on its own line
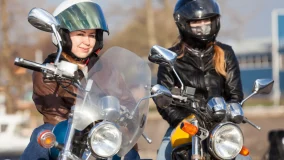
point(150, 23)
point(233, 23)
point(15, 40)
point(154, 24)
point(149, 26)
point(168, 21)
point(6, 74)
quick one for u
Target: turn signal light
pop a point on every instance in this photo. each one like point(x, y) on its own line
point(46, 139)
point(189, 128)
point(244, 151)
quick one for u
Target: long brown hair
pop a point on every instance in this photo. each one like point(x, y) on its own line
point(218, 58)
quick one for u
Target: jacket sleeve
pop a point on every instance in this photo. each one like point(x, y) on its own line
point(50, 99)
point(233, 84)
point(172, 114)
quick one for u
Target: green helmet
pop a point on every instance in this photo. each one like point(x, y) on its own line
point(79, 15)
point(74, 15)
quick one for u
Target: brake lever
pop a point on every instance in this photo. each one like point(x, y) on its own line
point(147, 138)
point(245, 120)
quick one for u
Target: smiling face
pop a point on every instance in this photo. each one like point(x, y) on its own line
point(83, 42)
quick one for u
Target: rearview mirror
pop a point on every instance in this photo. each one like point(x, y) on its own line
point(164, 96)
point(159, 89)
point(161, 55)
point(263, 86)
point(42, 20)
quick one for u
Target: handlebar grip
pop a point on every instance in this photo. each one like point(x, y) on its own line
point(28, 64)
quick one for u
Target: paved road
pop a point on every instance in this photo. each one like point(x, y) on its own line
point(255, 140)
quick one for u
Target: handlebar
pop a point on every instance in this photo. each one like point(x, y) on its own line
point(48, 68)
point(181, 98)
point(185, 98)
point(29, 64)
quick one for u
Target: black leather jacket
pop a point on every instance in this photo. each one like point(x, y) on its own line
point(197, 70)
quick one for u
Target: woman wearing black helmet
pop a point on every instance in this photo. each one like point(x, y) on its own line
point(82, 25)
point(203, 63)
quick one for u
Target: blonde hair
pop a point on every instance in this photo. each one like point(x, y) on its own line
point(218, 58)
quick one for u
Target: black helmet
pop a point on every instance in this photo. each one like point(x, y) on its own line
point(75, 15)
point(194, 10)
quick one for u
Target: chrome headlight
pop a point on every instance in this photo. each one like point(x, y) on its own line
point(105, 139)
point(216, 108)
point(226, 141)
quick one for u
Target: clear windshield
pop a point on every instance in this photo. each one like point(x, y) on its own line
point(116, 84)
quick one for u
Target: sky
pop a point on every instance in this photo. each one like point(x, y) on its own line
point(256, 14)
point(259, 25)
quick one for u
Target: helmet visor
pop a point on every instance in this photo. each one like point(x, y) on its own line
point(81, 16)
point(201, 27)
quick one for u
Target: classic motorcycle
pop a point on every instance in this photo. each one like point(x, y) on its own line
point(211, 132)
point(111, 106)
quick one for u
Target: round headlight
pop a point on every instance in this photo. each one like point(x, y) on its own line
point(226, 141)
point(105, 139)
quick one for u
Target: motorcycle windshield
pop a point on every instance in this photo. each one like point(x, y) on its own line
point(115, 86)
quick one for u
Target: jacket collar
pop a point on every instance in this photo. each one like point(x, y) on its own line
point(200, 53)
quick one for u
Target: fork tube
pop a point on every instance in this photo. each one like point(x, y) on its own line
point(65, 153)
point(195, 145)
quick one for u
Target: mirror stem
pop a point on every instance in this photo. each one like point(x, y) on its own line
point(142, 99)
point(248, 98)
point(182, 86)
point(58, 38)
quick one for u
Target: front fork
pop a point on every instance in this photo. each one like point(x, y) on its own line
point(66, 153)
point(197, 152)
point(197, 149)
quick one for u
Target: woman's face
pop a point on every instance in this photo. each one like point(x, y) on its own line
point(83, 42)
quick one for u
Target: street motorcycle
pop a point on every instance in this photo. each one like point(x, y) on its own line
point(111, 106)
point(275, 150)
point(211, 131)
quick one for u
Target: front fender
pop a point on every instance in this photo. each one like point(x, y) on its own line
point(59, 131)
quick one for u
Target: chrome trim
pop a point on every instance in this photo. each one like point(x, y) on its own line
point(66, 152)
point(212, 133)
point(236, 113)
point(168, 55)
point(196, 146)
point(216, 104)
point(94, 129)
point(42, 20)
